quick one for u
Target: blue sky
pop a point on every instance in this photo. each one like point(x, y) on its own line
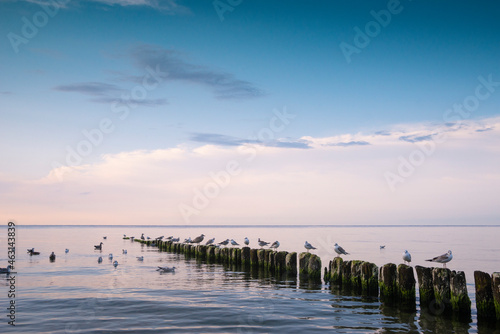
point(220, 83)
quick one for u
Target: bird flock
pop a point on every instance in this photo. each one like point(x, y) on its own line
point(406, 256)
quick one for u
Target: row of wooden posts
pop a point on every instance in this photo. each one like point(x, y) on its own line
point(442, 291)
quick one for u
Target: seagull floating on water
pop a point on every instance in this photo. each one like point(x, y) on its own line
point(140, 258)
point(66, 251)
point(406, 257)
point(99, 260)
point(115, 264)
point(166, 269)
point(98, 247)
point(308, 246)
point(382, 247)
point(339, 250)
point(5, 270)
point(444, 258)
point(110, 256)
point(210, 242)
point(199, 239)
point(262, 243)
point(124, 251)
point(234, 243)
point(247, 242)
point(52, 257)
point(32, 252)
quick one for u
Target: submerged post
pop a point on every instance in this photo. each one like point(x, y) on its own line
point(484, 297)
point(388, 284)
point(369, 279)
point(406, 288)
point(460, 302)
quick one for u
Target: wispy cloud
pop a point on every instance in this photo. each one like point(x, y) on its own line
point(416, 138)
point(170, 7)
point(223, 140)
point(105, 93)
point(176, 68)
point(350, 143)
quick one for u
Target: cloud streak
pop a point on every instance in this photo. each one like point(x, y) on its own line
point(223, 140)
point(175, 68)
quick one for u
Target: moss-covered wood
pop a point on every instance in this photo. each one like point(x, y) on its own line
point(280, 261)
point(336, 271)
point(314, 267)
point(356, 276)
point(254, 259)
point(406, 288)
point(460, 301)
point(425, 286)
point(245, 256)
point(442, 291)
point(261, 257)
point(388, 284)
point(369, 279)
point(291, 263)
point(304, 262)
point(346, 275)
point(484, 296)
point(495, 287)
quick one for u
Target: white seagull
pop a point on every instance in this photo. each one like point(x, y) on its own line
point(382, 247)
point(406, 257)
point(199, 239)
point(115, 264)
point(99, 260)
point(176, 239)
point(234, 243)
point(224, 243)
point(187, 241)
point(66, 251)
point(140, 258)
point(142, 236)
point(124, 251)
point(308, 246)
point(339, 250)
point(210, 242)
point(247, 242)
point(262, 243)
point(110, 256)
point(275, 245)
point(444, 258)
point(166, 269)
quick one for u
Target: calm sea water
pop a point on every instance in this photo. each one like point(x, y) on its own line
point(76, 294)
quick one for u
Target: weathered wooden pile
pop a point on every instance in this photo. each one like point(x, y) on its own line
point(442, 292)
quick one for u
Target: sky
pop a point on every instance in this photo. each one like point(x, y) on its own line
point(242, 112)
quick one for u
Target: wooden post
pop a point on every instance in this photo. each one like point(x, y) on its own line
point(425, 286)
point(484, 297)
point(460, 302)
point(406, 288)
point(442, 291)
point(495, 286)
point(388, 284)
point(291, 263)
point(369, 279)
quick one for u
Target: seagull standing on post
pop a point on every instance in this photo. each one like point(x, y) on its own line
point(263, 243)
point(406, 257)
point(199, 239)
point(308, 246)
point(275, 245)
point(444, 259)
point(339, 250)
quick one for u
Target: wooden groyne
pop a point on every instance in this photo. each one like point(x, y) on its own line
point(442, 292)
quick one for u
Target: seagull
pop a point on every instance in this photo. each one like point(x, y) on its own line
point(176, 239)
point(98, 247)
point(247, 242)
point(104, 238)
point(115, 264)
point(262, 243)
point(234, 243)
point(148, 238)
point(5, 270)
point(170, 238)
point(160, 238)
point(140, 258)
point(275, 245)
point(142, 236)
point(210, 242)
point(339, 250)
point(445, 258)
point(382, 247)
point(99, 260)
point(132, 238)
point(406, 257)
point(199, 239)
point(32, 252)
point(166, 269)
point(308, 246)
point(124, 251)
point(224, 243)
point(110, 256)
point(187, 241)
point(52, 257)
point(66, 251)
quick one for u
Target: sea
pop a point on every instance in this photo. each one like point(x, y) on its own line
point(76, 294)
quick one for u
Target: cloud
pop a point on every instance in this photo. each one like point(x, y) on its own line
point(484, 130)
point(107, 93)
point(415, 138)
point(223, 140)
point(170, 7)
point(350, 143)
point(174, 68)
point(5, 93)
